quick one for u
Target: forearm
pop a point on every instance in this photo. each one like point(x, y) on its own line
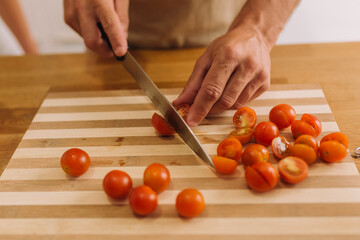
point(268, 17)
point(13, 16)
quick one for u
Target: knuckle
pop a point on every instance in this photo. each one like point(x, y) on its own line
point(107, 22)
point(212, 92)
point(227, 101)
point(251, 64)
point(90, 43)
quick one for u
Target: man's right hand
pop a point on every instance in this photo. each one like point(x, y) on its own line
point(83, 15)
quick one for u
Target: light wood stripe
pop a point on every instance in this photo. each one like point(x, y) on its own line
point(91, 116)
point(316, 169)
point(139, 131)
point(114, 100)
point(217, 196)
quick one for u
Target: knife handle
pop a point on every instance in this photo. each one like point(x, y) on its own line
point(106, 38)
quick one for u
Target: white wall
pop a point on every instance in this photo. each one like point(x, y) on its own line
point(314, 21)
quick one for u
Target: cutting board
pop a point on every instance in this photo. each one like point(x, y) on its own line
point(39, 201)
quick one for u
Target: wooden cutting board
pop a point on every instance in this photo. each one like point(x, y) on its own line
point(39, 201)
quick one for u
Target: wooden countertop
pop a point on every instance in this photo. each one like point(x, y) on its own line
point(24, 81)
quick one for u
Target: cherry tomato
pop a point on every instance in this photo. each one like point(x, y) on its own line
point(338, 137)
point(306, 148)
point(265, 132)
point(244, 135)
point(332, 151)
point(283, 115)
point(293, 170)
point(313, 121)
point(117, 184)
point(143, 200)
point(190, 203)
point(157, 176)
point(182, 109)
point(75, 162)
point(262, 176)
point(299, 128)
point(280, 147)
point(230, 148)
point(224, 165)
point(254, 153)
point(161, 125)
point(244, 117)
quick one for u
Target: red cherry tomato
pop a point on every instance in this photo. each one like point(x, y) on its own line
point(313, 121)
point(254, 153)
point(338, 137)
point(230, 148)
point(161, 125)
point(306, 148)
point(117, 184)
point(283, 115)
point(182, 109)
point(157, 176)
point(332, 151)
point(190, 203)
point(265, 132)
point(293, 170)
point(224, 165)
point(280, 147)
point(244, 135)
point(75, 162)
point(244, 117)
point(299, 128)
point(143, 200)
point(262, 176)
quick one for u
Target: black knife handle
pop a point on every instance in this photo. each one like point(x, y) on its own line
point(106, 38)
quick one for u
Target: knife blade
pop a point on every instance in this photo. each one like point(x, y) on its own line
point(160, 101)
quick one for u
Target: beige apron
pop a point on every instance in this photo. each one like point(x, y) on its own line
point(179, 23)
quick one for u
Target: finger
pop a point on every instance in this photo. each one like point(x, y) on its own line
point(112, 26)
point(70, 16)
point(210, 91)
point(236, 84)
point(91, 34)
point(195, 80)
point(122, 10)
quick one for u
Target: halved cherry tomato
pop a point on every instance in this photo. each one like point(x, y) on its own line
point(224, 165)
point(313, 121)
point(338, 137)
point(244, 135)
point(306, 148)
point(161, 125)
point(283, 115)
point(143, 200)
point(280, 147)
point(254, 153)
point(157, 176)
point(332, 151)
point(182, 109)
point(262, 176)
point(265, 132)
point(117, 184)
point(230, 148)
point(299, 128)
point(244, 117)
point(75, 162)
point(190, 203)
point(293, 170)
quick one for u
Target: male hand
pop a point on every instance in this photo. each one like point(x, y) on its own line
point(83, 15)
point(233, 70)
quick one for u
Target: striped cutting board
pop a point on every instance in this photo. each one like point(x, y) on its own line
point(38, 201)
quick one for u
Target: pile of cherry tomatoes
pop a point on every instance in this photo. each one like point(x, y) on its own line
point(143, 199)
point(294, 159)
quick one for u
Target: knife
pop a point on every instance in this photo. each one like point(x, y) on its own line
point(160, 101)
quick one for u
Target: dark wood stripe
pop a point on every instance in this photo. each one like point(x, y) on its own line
point(169, 211)
point(176, 184)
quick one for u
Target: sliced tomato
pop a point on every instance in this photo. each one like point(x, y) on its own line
point(244, 135)
point(299, 128)
point(254, 153)
point(306, 148)
point(280, 147)
point(293, 170)
point(332, 151)
point(338, 137)
point(283, 115)
point(265, 132)
point(182, 109)
point(161, 125)
point(261, 176)
point(230, 148)
point(224, 165)
point(308, 140)
point(244, 117)
point(313, 121)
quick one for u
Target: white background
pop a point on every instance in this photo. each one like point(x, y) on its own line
point(314, 21)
